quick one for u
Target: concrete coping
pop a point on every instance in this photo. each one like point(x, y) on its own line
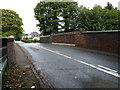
point(6, 39)
point(45, 36)
point(65, 44)
point(67, 33)
point(105, 31)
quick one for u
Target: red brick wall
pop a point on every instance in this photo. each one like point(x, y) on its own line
point(107, 41)
point(68, 38)
point(103, 41)
point(9, 43)
point(10, 49)
point(45, 39)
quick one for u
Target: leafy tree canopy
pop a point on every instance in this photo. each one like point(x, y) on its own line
point(11, 24)
point(109, 6)
point(55, 17)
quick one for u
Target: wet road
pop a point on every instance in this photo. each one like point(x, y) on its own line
point(71, 67)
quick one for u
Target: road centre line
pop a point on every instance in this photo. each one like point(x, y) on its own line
point(98, 67)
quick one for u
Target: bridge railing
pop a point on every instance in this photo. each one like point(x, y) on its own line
point(5, 46)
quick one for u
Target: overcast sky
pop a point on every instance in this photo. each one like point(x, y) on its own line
point(25, 8)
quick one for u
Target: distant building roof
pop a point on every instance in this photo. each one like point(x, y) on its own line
point(34, 33)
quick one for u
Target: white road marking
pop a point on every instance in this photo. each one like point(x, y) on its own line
point(99, 67)
point(107, 68)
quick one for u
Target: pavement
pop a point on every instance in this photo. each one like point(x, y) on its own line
point(72, 67)
point(23, 59)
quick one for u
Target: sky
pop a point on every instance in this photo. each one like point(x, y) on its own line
point(25, 9)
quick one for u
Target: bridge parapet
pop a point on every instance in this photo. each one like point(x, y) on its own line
point(6, 55)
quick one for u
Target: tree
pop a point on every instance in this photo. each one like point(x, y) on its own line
point(46, 16)
point(57, 16)
point(11, 24)
point(84, 18)
point(111, 19)
point(69, 14)
point(49, 13)
point(109, 6)
point(98, 18)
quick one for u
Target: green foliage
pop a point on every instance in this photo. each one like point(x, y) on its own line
point(111, 19)
point(109, 6)
point(98, 18)
point(49, 15)
point(83, 18)
point(69, 14)
point(31, 41)
point(11, 24)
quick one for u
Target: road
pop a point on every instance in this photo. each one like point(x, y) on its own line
point(72, 67)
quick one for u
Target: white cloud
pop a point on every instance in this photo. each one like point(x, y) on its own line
point(25, 9)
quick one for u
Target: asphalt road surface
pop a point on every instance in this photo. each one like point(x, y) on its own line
point(72, 67)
